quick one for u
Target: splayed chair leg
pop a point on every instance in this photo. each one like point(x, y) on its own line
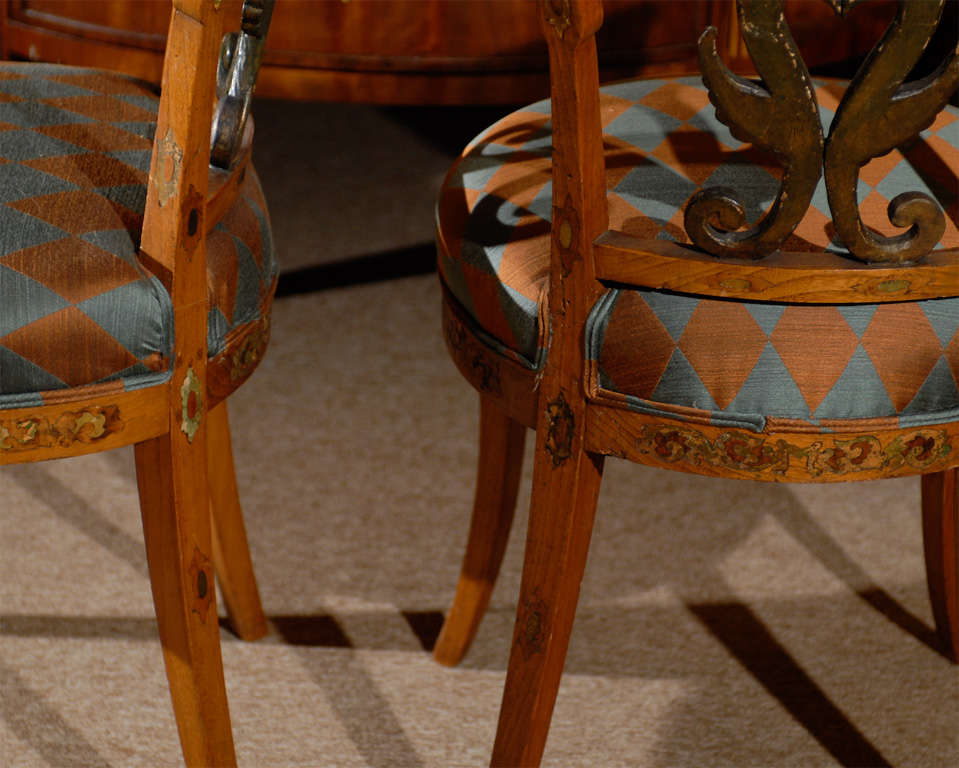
point(174, 504)
point(560, 526)
point(231, 551)
point(497, 482)
point(940, 534)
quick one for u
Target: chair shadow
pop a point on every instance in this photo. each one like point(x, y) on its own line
point(362, 708)
point(34, 720)
point(368, 718)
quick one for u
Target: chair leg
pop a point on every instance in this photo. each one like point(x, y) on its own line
point(231, 552)
point(497, 482)
point(560, 525)
point(940, 534)
point(174, 504)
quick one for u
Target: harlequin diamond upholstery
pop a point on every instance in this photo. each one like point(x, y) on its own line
point(714, 361)
point(77, 308)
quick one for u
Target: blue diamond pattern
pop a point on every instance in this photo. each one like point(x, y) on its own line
point(655, 189)
point(767, 316)
point(858, 316)
point(31, 114)
point(246, 307)
point(770, 390)
point(642, 127)
point(115, 241)
point(681, 385)
point(475, 171)
point(144, 130)
point(131, 314)
point(858, 394)
point(40, 87)
point(33, 300)
point(142, 100)
point(673, 311)
point(902, 178)
point(217, 328)
point(130, 196)
point(943, 316)
point(20, 230)
point(937, 393)
point(135, 158)
point(520, 314)
point(27, 145)
point(19, 374)
point(18, 182)
point(542, 204)
point(137, 315)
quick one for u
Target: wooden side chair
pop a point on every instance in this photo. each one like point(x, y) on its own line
point(732, 277)
point(135, 288)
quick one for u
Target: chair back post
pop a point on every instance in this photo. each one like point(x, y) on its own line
point(579, 189)
point(174, 228)
point(172, 233)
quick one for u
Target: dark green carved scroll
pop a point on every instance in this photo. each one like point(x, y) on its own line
point(780, 115)
point(877, 114)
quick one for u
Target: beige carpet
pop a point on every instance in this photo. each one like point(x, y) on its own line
point(721, 623)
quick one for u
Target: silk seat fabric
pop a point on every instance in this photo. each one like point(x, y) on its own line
point(705, 360)
point(77, 308)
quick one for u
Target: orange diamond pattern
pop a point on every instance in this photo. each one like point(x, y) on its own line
point(677, 98)
point(89, 170)
point(105, 108)
point(69, 345)
point(814, 367)
point(632, 319)
point(96, 137)
point(56, 265)
point(80, 211)
point(723, 375)
point(903, 347)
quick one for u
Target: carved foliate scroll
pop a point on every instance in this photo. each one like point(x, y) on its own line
point(780, 115)
point(878, 113)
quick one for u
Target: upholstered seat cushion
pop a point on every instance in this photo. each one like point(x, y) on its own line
point(77, 308)
point(709, 360)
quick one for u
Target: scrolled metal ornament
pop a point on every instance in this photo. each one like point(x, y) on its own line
point(780, 115)
point(878, 113)
point(240, 58)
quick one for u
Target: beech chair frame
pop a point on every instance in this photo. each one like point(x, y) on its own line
point(192, 520)
point(576, 429)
